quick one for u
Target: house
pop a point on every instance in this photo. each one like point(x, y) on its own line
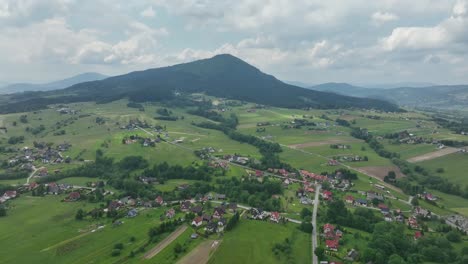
point(197, 221)
point(349, 199)
point(32, 186)
point(74, 196)
point(53, 188)
point(333, 162)
point(329, 230)
point(275, 217)
point(327, 195)
point(221, 196)
point(339, 233)
point(197, 209)
point(159, 200)
point(218, 212)
point(10, 195)
point(373, 195)
point(417, 235)
point(258, 173)
point(206, 217)
point(114, 205)
point(170, 213)
point(361, 202)
point(306, 200)
point(332, 245)
point(185, 206)
point(232, 207)
point(309, 189)
point(132, 213)
point(412, 222)
point(212, 227)
point(383, 208)
point(430, 197)
point(388, 217)
point(352, 255)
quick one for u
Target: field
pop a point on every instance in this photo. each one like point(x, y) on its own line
point(252, 242)
point(454, 167)
point(50, 233)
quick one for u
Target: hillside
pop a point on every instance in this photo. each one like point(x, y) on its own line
point(441, 96)
point(60, 84)
point(223, 76)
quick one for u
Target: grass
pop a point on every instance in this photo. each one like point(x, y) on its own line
point(454, 167)
point(49, 232)
point(80, 181)
point(252, 242)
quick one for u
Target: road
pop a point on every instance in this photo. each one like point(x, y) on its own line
point(31, 175)
point(314, 225)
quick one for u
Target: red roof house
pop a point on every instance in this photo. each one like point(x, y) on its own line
point(417, 235)
point(332, 244)
point(197, 221)
point(327, 195)
point(74, 196)
point(275, 217)
point(159, 200)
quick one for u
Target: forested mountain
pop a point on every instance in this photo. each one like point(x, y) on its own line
point(440, 96)
point(222, 76)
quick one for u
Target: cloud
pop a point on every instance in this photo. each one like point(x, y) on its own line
point(148, 12)
point(450, 31)
point(383, 17)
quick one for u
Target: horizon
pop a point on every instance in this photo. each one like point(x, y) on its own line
point(348, 42)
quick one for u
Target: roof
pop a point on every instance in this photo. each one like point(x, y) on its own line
point(275, 215)
point(417, 234)
point(349, 198)
point(197, 219)
point(74, 195)
point(332, 243)
point(328, 226)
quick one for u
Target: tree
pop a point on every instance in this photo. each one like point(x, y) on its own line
point(305, 212)
point(320, 253)
point(178, 248)
point(415, 201)
point(453, 236)
point(306, 227)
point(396, 259)
point(2, 211)
point(79, 214)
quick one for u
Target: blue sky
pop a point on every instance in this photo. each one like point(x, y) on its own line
point(312, 41)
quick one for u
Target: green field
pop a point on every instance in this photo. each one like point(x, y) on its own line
point(455, 167)
point(252, 242)
point(50, 233)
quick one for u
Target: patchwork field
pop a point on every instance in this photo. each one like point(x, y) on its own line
point(433, 155)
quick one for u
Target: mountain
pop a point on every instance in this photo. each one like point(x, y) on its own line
point(438, 97)
point(223, 76)
point(23, 87)
point(396, 85)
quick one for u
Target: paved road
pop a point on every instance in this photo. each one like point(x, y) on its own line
point(314, 225)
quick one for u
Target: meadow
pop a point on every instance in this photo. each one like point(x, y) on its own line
point(252, 242)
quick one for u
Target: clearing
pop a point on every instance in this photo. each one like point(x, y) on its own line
point(168, 240)
point(433, 155)
point(201, 254)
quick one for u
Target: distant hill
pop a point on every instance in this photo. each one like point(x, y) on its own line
point(23, 87)
point(223, 76)
point(441, 96)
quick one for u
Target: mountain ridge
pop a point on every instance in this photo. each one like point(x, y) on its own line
point(222, 76)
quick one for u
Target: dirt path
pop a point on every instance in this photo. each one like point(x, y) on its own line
point(433, 155)
point(163, 244)
point(201, 254)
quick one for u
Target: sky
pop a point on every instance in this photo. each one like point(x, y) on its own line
point(311, 41)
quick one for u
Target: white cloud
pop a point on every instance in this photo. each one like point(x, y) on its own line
point(383, 17)
point(148, 12)
point(448, 32)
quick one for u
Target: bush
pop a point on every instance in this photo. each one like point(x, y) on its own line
point(115, 252)
point(118, 246)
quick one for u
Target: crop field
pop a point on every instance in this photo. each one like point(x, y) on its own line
point(253, 241)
